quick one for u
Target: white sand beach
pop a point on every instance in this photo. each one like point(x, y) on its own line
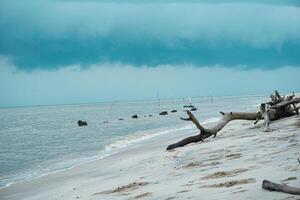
point(230, 166)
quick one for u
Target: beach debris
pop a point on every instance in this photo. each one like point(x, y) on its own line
point(233, 183)
point(233, 156)
point(163, 113)
point(193, 109)
point(221, 174)
point(124, 188)
point(134, 116)
point(143, 195)
point(82, 123)
point(173, 111)
point(183, 191)
point(200, 164)
point(271, 186)
point(279, 107)
point(289, 179)
point(170, 198)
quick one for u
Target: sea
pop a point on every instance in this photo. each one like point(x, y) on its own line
point(40, 140)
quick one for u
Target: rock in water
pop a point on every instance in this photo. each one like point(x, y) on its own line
point(173, 111)
point(163, 113)
point(82, 123)
point(193, 109)
point(134, 116)
point(188, 106)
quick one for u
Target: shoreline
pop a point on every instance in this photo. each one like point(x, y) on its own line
point(78, 167)
point(133, 142)
point(148, 171)
point(113, 148)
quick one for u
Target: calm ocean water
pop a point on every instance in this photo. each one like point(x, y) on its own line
point(44, 139)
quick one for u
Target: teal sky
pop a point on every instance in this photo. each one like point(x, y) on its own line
point(68, 51)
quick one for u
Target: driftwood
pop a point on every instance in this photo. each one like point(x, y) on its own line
point(279, 107)
point(268, 185)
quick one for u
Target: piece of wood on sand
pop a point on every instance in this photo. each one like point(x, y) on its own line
point(279, 107)
point(268, 185)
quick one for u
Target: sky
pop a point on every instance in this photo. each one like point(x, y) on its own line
point(72, 51)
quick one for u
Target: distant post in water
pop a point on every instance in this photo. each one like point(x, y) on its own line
point(158, 100)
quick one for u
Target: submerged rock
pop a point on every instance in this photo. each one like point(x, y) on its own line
point(193, 109)
point(173, 111)
point(188, 106)
point(82, 123)
point(134, 116)
point(163, 113)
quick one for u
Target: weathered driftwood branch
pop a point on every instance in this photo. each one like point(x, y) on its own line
point(286, 103)
point(278, 107)
point(268, 185)
point(205, 133)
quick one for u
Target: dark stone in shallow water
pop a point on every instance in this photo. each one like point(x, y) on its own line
point(150, 115)
point(82, 123)
point(163, 113)
point(194, 109)
point(121, 119)
point(134, 116)
point(188, 106)
point(173, 111)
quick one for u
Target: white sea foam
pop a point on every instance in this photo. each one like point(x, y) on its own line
point(139, 137)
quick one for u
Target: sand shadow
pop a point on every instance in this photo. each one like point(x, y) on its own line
point(231, 183)
point(125, 189)
point(222, 174)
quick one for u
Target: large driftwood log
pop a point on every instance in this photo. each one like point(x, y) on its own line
point(278, 107)
point(205, 133)
point(268, 185)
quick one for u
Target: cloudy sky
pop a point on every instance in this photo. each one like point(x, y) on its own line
point(72, 51)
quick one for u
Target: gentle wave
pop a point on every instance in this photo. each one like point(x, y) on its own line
point(136, 138)
point(59, 167)
point(110, 149)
